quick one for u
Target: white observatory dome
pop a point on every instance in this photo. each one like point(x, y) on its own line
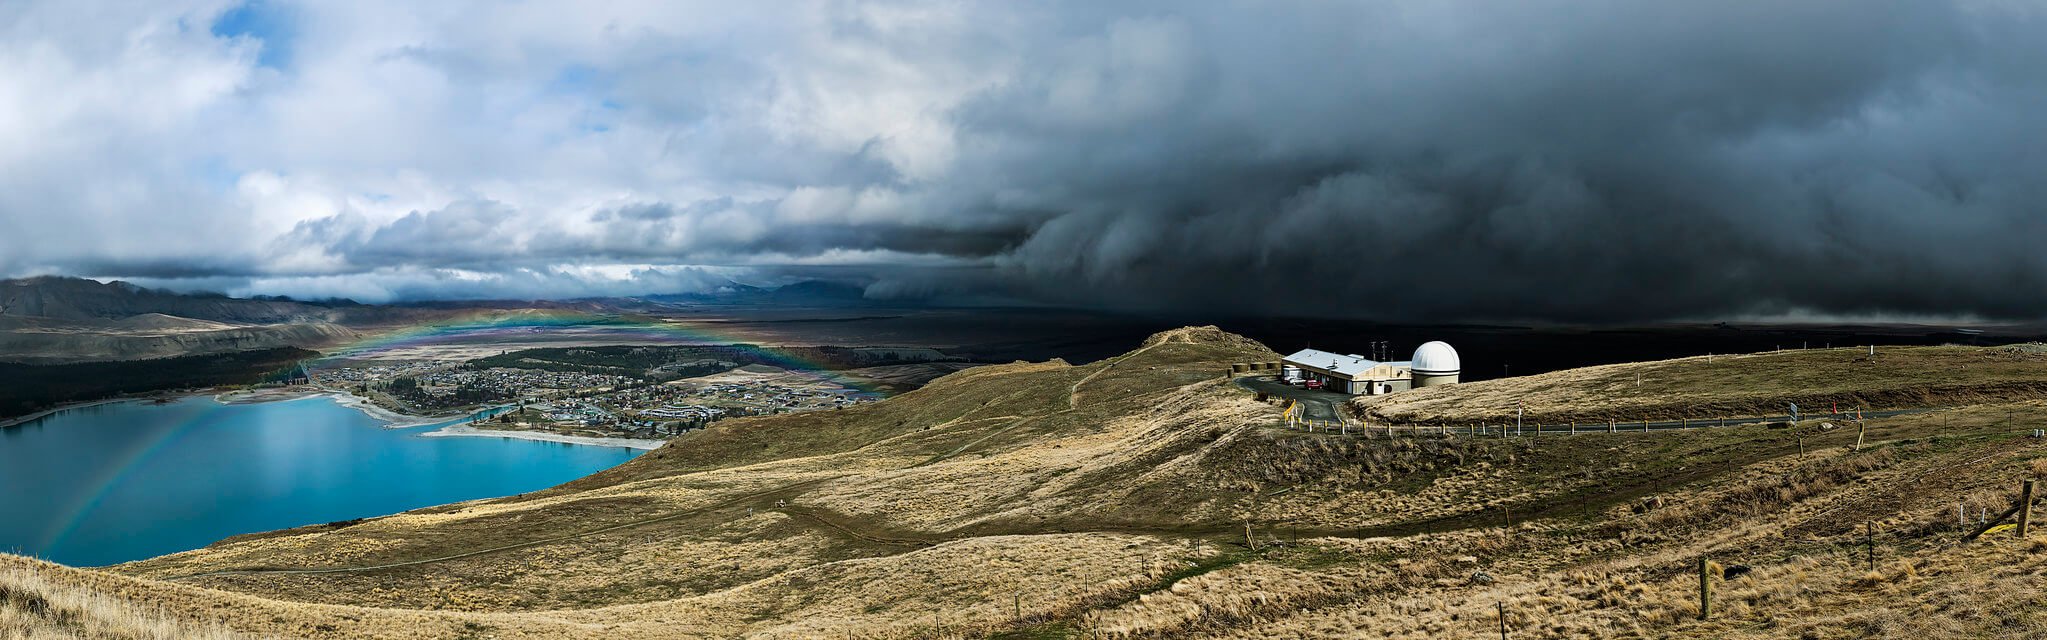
point(1436, 358)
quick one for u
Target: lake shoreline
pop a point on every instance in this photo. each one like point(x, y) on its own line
point(393, 419)
point(10, 422)
point(390, 419)
point(466, 431)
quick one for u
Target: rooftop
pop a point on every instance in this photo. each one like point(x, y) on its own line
point(1341, 364)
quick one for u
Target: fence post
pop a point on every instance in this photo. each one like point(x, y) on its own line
point(1611, 426)
point(1502, 607)
point(1705, 590)
point(2025, 508)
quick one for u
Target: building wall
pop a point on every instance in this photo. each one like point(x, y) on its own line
point(1430, 380)
point(1373, 387)
point(1366, 386)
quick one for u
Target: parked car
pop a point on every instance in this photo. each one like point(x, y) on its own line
point(1314, 384)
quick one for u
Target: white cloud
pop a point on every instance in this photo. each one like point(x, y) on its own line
point(1105, 153)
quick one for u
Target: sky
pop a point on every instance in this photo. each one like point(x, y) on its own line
point(1452, 160)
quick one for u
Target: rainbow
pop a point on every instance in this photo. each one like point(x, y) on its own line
point(108, 476)
point(625, 330)
point(485, 323)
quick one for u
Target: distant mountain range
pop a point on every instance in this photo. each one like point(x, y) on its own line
point(78, 299)
point(61, 319)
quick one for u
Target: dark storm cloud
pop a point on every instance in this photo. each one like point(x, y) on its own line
point(1577, 161)
point(1582, 161)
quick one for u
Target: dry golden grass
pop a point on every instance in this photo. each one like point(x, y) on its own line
point(1708, 387)
point(34, 608)
point(1110, 499)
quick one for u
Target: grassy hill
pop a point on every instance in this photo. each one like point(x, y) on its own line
point(1759, 384)
point(1145, 496)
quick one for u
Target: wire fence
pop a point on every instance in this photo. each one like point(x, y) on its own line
point(1294, 419)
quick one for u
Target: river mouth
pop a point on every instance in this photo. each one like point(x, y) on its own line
point(124, 481)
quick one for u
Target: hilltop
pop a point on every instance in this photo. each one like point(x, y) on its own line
point(1145, 496)
point(1758, 384)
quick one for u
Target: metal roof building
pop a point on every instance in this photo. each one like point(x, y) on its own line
point(1434, 363)
point(1351, 373)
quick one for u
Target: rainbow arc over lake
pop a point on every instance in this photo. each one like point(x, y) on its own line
point(480, 325)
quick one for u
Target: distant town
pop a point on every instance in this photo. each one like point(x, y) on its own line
point(649, 404)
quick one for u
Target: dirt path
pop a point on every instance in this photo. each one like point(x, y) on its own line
point(844, 525)
point(1073, 393)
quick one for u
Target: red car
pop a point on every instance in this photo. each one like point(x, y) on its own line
point(1314, 384)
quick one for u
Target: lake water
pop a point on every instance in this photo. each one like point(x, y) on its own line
point(119, 482)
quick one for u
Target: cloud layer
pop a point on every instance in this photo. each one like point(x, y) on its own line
point(1582, 161)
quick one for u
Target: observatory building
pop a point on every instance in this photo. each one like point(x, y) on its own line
point(1433, 364)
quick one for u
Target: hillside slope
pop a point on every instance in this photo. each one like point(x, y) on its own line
point(154, 336)
point(1758, 384)
point(79, 299)
point(1115, 499)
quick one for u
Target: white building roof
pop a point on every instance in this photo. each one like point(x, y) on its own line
point(1349, 366)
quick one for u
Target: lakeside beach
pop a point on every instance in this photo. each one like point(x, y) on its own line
point(463, 430)
point(392, 419)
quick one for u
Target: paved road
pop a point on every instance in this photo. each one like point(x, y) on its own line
point(1315, 404)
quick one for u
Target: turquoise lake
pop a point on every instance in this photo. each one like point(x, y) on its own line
point(112, 483)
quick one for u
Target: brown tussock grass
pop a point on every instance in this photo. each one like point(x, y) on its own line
point(927, 515)
point(33, 608)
